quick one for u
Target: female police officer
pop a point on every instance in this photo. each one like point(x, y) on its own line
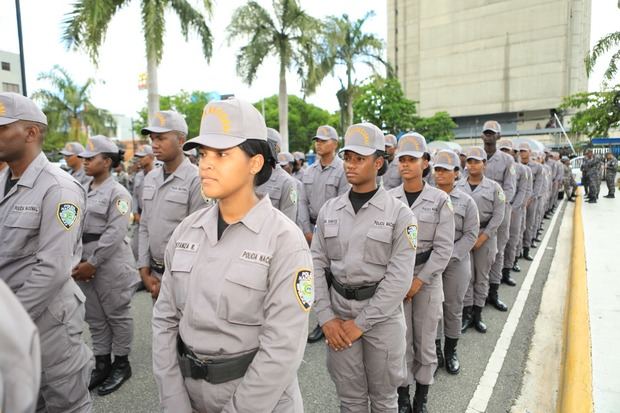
point(457, 275)
point(107, 273)
point(230, 323)
point(433, 210)
point(364, 246)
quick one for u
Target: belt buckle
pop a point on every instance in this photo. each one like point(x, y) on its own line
point(350, 293)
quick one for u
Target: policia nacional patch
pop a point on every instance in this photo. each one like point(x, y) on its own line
point(122, 206)
point(412, 235)
point(304, 288)
point(67, 214)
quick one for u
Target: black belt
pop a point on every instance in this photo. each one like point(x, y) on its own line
point(86, 238)
point(483, 225)
point(213, 371)
point(422, 257)
point(313, 221)
point(354, 293)
point(157, 266)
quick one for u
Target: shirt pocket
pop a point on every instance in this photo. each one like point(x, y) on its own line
point(332, 243)
point(23, 229)
point(331, 187)
point(97, 217)
point(180, 270)
point(378, 246)
point(427, 223)
point(243, 294)
point(175, 205)
point(148, 194)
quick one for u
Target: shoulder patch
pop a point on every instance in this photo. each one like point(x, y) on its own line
point(304, 288)
point(293, 195)
point(412, 235)
point(449, 204)
point(512, 170)
point(67, 213)
point(501, 195)
point(122, 205)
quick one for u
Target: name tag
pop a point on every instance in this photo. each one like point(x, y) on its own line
point(187, 246)
point(256, 257)
point(26, 209)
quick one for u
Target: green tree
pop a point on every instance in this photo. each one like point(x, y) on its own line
point(86, 25)
point(382, 102)
point(304, 119)
point(439, 127)
point(346, 44)
point(190, 104)
point(597, 112)
point(290, 35)
point(70, 113)
point(605, 44)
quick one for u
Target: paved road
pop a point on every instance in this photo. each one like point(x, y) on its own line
point(448, 394)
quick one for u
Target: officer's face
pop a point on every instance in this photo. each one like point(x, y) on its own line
point(224, 172)
point(475, 167)
point(361, 169)
point(145, 161)
point(390, 150)
point(96, 165)
point(445, 177)
point(288, 168)
point(166, 146)
point(323, 148)
point(489, 137)
point(72, 161)
point(411, 168)
point(525, 156)
point(13, 138)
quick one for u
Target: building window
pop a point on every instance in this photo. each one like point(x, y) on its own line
point(10, 87)
point(6, 66)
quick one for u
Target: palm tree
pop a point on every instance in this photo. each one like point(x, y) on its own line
point(290, 35)
point(605, 44)
point(346, 44)
point(86, 25)
point(68, 107)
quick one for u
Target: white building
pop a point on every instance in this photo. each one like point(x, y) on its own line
point(10, 72)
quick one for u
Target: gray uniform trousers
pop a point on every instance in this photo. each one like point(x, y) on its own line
point(540, 213)
point(66, 360)
point(423, 312)
point(530, 222)
point(503, 235)
point(456, 279)
point(516, 221)
point(478, 289)
point(522, 229)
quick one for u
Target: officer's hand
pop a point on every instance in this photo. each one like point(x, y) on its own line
point(335, 336)
point(416, 284)
point(136, 218)
point(154, 287)
point(84, 271)
point(308, 236)
point(352, 330)
point(482, 238)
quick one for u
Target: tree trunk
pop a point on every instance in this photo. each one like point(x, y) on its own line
point(151, 73)
point(283, 108)
point(350, 87)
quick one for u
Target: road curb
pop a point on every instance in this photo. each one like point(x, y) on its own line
point(576, 389)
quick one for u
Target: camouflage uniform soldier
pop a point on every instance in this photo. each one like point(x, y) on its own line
point(611, 166)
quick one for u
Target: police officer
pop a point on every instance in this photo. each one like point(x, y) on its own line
point(281, 187)
point(457, 274)
point(591, 170)
point(570, 186)
point(522, 192)
point(107, 273)
point(20, 356)
point(300, 165)
point(555, 178)
point(146, 162)
point(490, 200)
point(423, 303)
point(170, 193)
point(611, 166)
point(70, 153)
point(527, 158)
point(230, 324)
point(41, 216)
point(323, 180)
point(500, 168)
point(392, 178)
point(287, 163)
point(364, 247)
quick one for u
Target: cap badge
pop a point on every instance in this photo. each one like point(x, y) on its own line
point(221, 116)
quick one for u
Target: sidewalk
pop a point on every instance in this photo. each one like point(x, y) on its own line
point(602, 237)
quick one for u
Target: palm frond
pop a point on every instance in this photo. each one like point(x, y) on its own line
point(192, 18)
point(601, 47)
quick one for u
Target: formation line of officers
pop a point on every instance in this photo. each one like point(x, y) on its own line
point(396, 251)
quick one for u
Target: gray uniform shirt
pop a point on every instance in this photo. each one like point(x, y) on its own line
point(391, 178)
point(466, 223)
point(491, 203)
point(251, 289)
point(320, 185)
point(136, 196)
point(500, 168)
point(81, 177)
point(435, 214)
point(537, 178)
point(165, 205)
point(282, 190)
point(40, 240)
point(375, 245)
point(522, 186)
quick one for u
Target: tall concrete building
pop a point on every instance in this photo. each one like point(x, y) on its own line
point(510, 60)
point(10, 72)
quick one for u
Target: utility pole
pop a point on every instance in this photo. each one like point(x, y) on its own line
point(21, 47)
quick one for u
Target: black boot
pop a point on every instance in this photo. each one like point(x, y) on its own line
point(506, 278)
point(526, 254)
point(515, 266)
point(316, 334)
point(533, 244)
point(121, 372)
point(452, 362)
point(103, 367)
point(439, 353)
point(467, 320)
point(478, 323)
point(404, 402)
point(419, 400)
point(493, 298)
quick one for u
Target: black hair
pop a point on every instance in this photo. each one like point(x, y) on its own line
point(383, 169)
point(427, 171)
point(115, 157)
point(254, 147)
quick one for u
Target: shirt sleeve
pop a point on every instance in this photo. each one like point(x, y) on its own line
point(343, 184)
point(443, 243)
point(499, 209)
point(510, 180)
point(303, 220)
point(537, 178)
point(58, 250)
point(144, 255)
point(398, 274)
point(115, 231)
point(521, 193)
point(322, 299)
point(471, 227)
point(289, 199)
